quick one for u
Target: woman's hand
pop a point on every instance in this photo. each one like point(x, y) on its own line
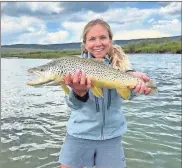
point(78, 82)
point(141, 87)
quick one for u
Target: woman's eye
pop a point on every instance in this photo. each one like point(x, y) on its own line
point(92, 39)
point(103, 37)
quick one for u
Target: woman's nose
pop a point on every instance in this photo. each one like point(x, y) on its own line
point(98, 42)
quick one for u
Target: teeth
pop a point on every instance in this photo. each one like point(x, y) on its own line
point(98, 50)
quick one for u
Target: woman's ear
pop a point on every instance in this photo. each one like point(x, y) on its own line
point(85, 46)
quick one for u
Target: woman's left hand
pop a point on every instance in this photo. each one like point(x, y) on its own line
point(141, 87)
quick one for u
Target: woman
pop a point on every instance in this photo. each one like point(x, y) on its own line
point(96, 125)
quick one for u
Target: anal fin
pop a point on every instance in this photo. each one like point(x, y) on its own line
point(124, 92)
point(65, 88)
point(97, 91)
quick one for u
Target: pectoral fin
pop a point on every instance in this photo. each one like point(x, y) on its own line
point(97, 91)
point(65, 88)
point(124, 92)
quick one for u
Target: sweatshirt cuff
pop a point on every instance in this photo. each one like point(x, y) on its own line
point(83, 98)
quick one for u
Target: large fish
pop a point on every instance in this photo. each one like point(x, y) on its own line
point(100, 74)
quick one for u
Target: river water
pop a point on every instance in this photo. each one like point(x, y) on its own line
point(33, 120)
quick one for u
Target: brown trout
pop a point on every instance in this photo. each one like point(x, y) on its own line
point(100, 74)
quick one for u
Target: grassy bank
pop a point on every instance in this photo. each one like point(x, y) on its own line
point(41, 54)
point(154, 46)
point(143, 46)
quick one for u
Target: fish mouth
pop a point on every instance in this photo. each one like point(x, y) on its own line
point(41, 79)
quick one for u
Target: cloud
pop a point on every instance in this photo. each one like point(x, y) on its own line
point(173, 8)
point(133, 16)
point(62, 22)
point(29, 30)
point(43, 37)
point(86, 6)
point(120, 15)
point(172, 27)
point(20, 25)
point(137, 34)
point(151, 20)
point(46, 9)
point(123, 18)
point(17, 9)
point(75, 28)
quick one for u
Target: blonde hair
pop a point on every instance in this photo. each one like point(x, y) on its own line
point(119, 59)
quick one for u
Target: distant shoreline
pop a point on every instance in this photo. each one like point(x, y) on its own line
point(155, 46)
point(55, 57)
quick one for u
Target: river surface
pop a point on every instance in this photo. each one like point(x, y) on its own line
point(33, 120)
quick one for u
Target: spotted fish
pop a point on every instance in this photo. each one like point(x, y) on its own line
point(100, 74)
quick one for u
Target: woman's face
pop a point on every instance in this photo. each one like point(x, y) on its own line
point(98, 42)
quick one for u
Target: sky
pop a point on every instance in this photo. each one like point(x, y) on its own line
point(63, 22)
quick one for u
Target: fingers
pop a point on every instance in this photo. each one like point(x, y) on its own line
point(76, 77)
point(88, 83)
point(85, 82)
point(142, 76)
point(83, 79)
point(137, 88)
point(142, 89)
point(145, 78)
point(67, 79)
point(78, 80)
point(147, 91)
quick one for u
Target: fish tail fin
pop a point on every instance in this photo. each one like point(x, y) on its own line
point(152, 84)
point(154, 91)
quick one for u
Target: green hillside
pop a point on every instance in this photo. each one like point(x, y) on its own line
point(154, 46)
point(160, 45)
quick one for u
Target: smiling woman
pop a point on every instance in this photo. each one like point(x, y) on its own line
point(96, 124)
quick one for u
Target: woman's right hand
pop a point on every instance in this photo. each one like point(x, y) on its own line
point(78, 82)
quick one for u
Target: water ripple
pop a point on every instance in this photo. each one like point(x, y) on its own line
point(33, 122)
